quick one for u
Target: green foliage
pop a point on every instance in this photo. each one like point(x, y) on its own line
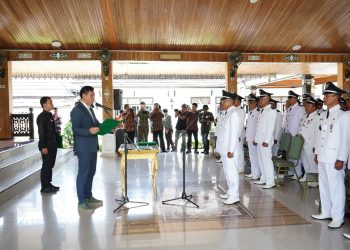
point(68, 135)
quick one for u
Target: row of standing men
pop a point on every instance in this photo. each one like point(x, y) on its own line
point(325, 149)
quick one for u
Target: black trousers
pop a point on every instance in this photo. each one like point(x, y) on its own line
point(169, 140)
point(205, 140)
point(131, 135)
point(189, 139)
point(159, 134)
point(48, 164)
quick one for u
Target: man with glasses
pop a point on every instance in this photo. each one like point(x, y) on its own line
point(264, 140)
point(227, 145)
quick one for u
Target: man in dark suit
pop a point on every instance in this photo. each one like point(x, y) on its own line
point(85, 129)
point(47, 144)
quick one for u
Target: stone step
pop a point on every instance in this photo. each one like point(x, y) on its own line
point(15, 177)
point(17, 152)
point(19, 167)
point(20, 156)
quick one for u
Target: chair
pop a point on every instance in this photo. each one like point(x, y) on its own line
point(294, 151)
point(285, 141)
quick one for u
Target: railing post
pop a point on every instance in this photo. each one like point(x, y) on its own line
point(31, 124)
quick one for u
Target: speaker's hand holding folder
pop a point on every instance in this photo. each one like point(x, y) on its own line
point(107, 126)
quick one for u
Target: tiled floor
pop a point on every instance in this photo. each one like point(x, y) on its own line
point(268, 219)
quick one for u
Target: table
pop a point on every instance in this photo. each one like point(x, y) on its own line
point(137, 155)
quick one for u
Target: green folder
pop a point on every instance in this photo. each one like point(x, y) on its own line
point(107, 126)
point(152, 143)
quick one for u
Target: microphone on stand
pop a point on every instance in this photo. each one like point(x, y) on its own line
point(102, 106)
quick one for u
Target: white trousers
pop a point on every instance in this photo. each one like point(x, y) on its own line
point(332, 190)
point(266, 164)
point(253, 157)
point(240, 158)
point(307, 159)
point(231, 174)
point(275, 149)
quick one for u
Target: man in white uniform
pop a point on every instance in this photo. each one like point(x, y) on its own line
point(278, 128)
point(305, 98)
point(293, 120)
point(331, 151)
point(241, 113)
point(284, 116)
point(227, 145)
point(309, 129)
point(264, 140)
point(348, 161)
point(250, 137)
point(319, 106)
point(295, 114)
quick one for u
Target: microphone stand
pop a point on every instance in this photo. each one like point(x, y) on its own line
point(125, 198)
point(184, 196)
point(105, 110)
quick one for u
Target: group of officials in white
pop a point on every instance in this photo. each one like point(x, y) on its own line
point(325, 151)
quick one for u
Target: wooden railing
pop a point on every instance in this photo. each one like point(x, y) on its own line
point(23, 124)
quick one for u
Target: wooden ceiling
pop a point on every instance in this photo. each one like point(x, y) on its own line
point(319, 26)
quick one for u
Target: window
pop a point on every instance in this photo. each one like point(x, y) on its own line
point(200, 100)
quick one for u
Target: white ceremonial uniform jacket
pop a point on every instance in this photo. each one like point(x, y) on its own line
point(309, 129)
point(227, 132)
point(265, 125)
point(251, 125)
point(278, 126)
point(320, 111)
point(284, 117)
point(241, 113)
point(293, 119)
point(333, 136)
point(218, 118)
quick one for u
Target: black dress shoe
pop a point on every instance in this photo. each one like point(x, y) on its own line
point(55, 187)
point(48, 190)
point(196, 152)
point(206, 152)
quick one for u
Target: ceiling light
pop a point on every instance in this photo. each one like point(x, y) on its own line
point(253, 1)
point(296, 47)
point(56, 43)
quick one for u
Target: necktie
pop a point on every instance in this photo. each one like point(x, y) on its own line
point(93, 115)
point(290, 109)
point(250, 112)
point(307, 116)
point(262, 110)
point(327, 113)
